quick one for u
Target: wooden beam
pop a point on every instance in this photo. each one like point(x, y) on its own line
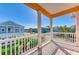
point(39, 8)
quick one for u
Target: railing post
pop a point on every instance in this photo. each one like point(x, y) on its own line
point(0, 48)
point(15, 46)
point(77, 28)
point(51, 29)
point(73, 38)
point(39, 33)
point(10, 47)
point(18, 46)
point(6, 48)
point(24, 44)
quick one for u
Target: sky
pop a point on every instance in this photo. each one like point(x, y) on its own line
point(24, 15)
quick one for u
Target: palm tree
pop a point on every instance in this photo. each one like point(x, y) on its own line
point(64, 29)
point(30, 30)
point(60, 29)
point(48, 28)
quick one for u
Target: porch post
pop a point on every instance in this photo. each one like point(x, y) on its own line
point(77, 28)
point(39, 33)
point(7, 32)
point(51, 29)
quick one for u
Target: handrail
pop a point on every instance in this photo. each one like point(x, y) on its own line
point(27, 37)
point(24, 43)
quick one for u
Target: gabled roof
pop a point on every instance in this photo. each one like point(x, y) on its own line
point(9, 23)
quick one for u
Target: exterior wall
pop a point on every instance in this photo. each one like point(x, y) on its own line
point(14, 31)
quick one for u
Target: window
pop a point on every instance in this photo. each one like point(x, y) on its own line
point(17, 30)
point(9, 30)
point(22, 29)
point(2, 30)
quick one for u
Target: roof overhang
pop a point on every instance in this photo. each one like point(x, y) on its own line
point(53, 10)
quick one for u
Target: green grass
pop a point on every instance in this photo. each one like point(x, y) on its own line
point(33, 43)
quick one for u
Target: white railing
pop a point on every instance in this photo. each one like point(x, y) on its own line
point(50, 48)
point(70, 37)
point(10, 35)
point(24, 44)
point(17, 46)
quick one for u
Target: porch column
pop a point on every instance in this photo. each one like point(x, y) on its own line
point(51, 29)
point(7, 32)
point(77, 28)
point(39, 33)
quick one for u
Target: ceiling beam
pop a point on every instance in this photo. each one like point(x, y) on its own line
point(39, 8)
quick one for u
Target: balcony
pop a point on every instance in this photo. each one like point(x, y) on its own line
point(52, 43)
point(62, 43)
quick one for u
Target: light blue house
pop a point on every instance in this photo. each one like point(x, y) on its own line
point(10, 29)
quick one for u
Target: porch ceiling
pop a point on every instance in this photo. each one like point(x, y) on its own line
point(54, 9)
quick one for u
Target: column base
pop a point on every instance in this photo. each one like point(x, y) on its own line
point(76, 44)
point(39, 50)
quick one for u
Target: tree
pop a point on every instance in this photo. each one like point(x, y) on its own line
point(30, 30)
point(60, 29)
point(65, 29)
point(48, 28)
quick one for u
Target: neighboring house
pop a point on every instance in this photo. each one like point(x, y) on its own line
point(10, 29)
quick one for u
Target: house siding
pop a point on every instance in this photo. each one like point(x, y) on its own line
point(11, 28)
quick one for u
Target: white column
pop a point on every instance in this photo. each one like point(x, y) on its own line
point(77, 28)
point(14, 31)
point(39, 28)
point(7, 31)
point(39, 34)
point(51, 28)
